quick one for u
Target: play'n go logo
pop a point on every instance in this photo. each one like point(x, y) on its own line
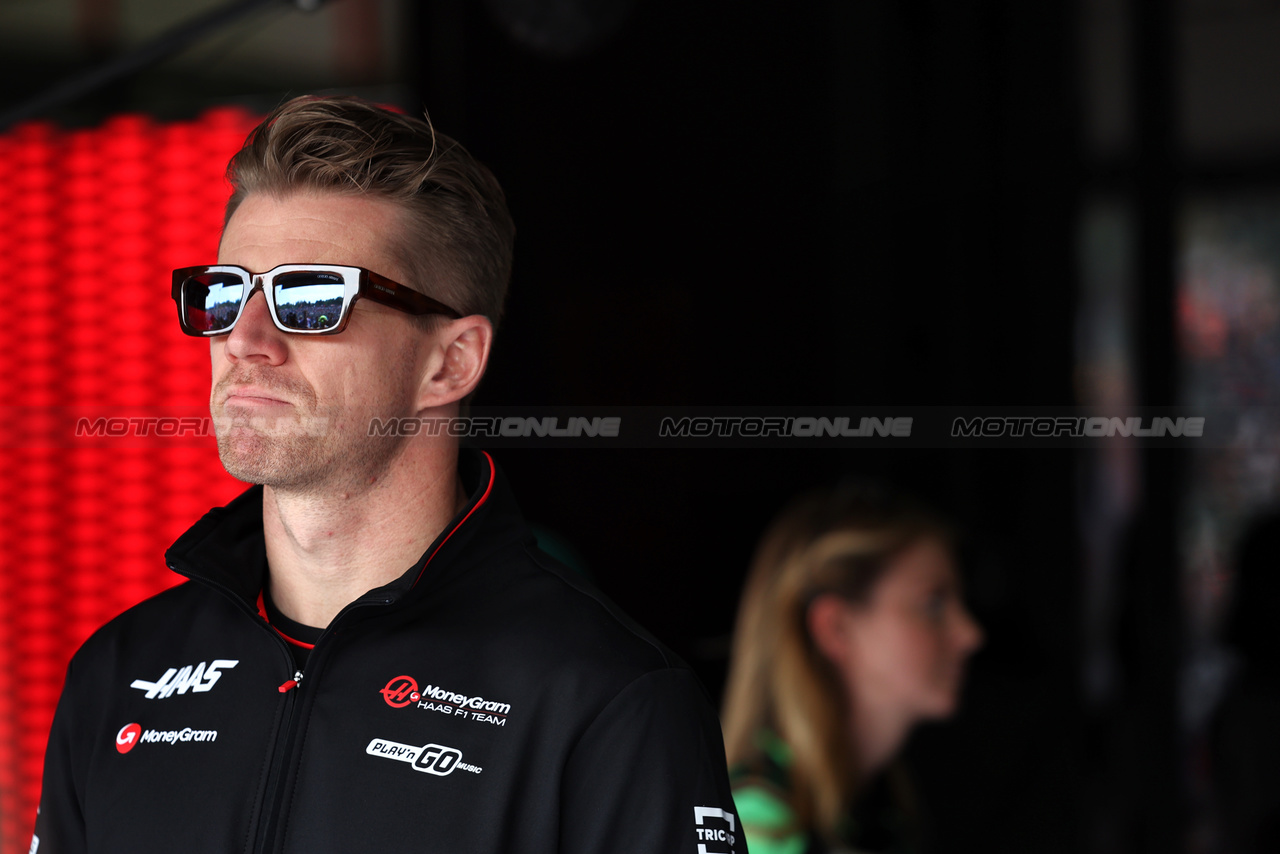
point(435, 759)
point(401, 691)
point(127, 738)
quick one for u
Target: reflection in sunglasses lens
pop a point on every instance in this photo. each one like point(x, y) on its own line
point(309, 300)
point(212, 301)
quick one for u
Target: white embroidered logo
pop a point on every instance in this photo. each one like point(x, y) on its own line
point(715, 833)
point(193, 677)
point(430, 758)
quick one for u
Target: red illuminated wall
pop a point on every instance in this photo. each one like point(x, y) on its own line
point(91, 222)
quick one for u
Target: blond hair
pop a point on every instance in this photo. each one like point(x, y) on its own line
point(840, 542)
point(457, 238)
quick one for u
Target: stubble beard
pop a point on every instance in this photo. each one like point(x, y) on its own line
point(309, 450)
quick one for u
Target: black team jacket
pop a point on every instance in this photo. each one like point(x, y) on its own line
point(488, 700)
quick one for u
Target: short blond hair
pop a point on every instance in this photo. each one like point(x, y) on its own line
point(457, 239)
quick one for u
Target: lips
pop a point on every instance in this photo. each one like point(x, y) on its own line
point(252, 386)
point(250, 395)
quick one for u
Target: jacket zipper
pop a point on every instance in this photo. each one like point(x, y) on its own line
point(269, 808)
point(269, 815)
point(273, 794)
point(270, 837)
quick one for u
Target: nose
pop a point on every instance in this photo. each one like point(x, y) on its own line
point(255, 338)
point(969, 635)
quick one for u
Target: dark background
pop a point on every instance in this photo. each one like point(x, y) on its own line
point(826, 203)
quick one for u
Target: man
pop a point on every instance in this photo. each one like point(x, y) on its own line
point(371, 654)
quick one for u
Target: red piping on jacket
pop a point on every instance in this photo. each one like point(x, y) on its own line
point(262, 612)
point(483, 498)
point(262, 605)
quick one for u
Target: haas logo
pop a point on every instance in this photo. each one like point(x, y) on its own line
point(193, 677)
point(127, 738)
point(401, 691)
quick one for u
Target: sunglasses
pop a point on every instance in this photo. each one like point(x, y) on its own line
point(310, 299)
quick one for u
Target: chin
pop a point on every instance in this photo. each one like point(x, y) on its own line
point(257, 459)
point(941, 706)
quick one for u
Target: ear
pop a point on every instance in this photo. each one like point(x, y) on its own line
point(828, 621)
point(458, 358)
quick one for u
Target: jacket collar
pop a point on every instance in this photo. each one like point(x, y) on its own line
point(227, 549)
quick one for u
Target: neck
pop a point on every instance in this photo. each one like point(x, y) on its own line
point(878, 733)
point(327, 547)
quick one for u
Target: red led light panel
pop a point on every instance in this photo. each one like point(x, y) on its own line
point(91, 223)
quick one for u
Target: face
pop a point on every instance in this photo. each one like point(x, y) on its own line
point(906, 646)
point(293, 411)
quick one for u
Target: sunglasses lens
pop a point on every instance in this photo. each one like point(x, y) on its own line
point(309, 300)
point(211, 301)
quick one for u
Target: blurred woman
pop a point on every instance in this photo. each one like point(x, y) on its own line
point(851, 631)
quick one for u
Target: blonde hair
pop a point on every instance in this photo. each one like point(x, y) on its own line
point(840, 542)
point(457, 238)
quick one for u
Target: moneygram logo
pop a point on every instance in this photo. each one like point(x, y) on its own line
point(401, 691)
point(127, 738)
point(433, 759)
point(131, 735)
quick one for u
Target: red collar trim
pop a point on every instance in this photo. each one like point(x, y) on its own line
point(483, 498)
point(262, 612)
point(262, 605)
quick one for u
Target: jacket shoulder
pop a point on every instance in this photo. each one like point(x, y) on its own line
point(528, 611)
point(156, 621)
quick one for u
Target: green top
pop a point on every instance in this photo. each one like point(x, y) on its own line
point(877, 821)
point(768, 822)
point(759, 792)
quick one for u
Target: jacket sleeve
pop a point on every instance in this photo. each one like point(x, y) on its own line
point(648, 775)
point(60, 820)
